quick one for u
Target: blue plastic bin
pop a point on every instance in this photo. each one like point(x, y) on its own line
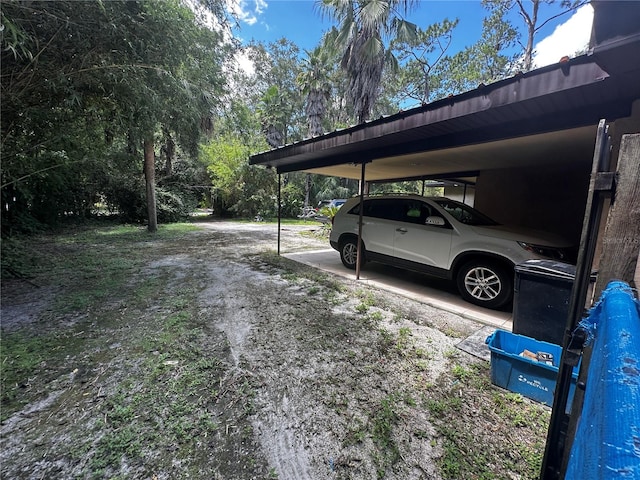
point(531, 378)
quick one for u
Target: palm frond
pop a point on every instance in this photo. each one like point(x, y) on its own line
point(374, 14)
point(405, 31)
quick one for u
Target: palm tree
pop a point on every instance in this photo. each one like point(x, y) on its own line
point(315, 83)
point(364, 25)
point(271, 114)
point(314, 79)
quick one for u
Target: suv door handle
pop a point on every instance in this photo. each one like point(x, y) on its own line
point(401, 230)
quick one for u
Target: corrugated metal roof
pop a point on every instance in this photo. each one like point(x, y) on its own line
point(564, 96)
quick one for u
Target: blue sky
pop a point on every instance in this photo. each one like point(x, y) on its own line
point(301, 22)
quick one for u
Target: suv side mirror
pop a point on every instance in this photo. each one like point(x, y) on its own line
point(435, 220)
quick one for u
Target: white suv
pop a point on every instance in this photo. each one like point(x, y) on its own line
point(443, 238)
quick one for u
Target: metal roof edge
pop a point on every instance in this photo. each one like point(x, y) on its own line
point(562, 70)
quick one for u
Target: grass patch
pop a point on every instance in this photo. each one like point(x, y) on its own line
point(444, 406)
point(379, 428)
point(26, 361)
point(91, 264)
point(403, 342)
point(356, 433)
point(172, 390)
point(462, 460)
point(385, 418)
point(465, 395)
point(370, 299)
point(362, 308)
point(175, 390)
point(21, 356)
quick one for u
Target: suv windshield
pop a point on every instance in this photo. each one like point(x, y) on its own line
point(464, 213)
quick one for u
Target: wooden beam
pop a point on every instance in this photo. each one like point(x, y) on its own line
point(621, 240)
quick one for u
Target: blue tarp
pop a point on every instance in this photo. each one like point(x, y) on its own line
point(606, 444)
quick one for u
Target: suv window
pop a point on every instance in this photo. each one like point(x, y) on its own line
point(414, 211)
point(397, 209)
point(379, 208)
point(464, 213)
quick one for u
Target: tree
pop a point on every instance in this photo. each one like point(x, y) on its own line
point(279, 99)
point(484, 62)
point(171, 82)
point(83, 81)
point(47, 145)
point(360, 37)
point(333, 187)
point(314, 81)
point(419, 57)
point(239, 188)
point(531, 19)
point(272, 112)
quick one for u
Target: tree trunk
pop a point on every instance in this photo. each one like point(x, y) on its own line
point(531, 23)
point(150, 179)
point(170, 152)
point(307, 189)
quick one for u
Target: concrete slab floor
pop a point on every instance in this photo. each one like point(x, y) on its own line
point(434, 292)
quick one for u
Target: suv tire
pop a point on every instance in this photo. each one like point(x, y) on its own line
point(349, 252)
point(485, 283)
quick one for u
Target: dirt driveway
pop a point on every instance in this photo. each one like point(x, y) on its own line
point(199, 353)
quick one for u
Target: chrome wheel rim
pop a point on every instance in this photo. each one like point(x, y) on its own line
point(350, 253)
point(482, 283)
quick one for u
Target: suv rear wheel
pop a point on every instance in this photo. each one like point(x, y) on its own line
point(485, 283)
point(349, 252)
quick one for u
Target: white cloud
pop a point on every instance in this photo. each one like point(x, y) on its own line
point(245, 63)
point(247, 11)
point(567, 39)
point(261, 6)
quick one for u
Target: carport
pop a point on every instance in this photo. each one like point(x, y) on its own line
point(522, 146)
point(539, 150)
point(520, 149)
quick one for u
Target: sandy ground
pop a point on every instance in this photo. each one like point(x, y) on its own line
point(339, 378)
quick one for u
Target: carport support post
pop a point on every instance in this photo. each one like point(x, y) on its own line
point(279, 208)
point(359, 251)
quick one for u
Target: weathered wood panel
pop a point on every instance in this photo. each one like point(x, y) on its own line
point(621, 240)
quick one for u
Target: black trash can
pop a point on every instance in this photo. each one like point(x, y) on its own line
point(541, 295)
